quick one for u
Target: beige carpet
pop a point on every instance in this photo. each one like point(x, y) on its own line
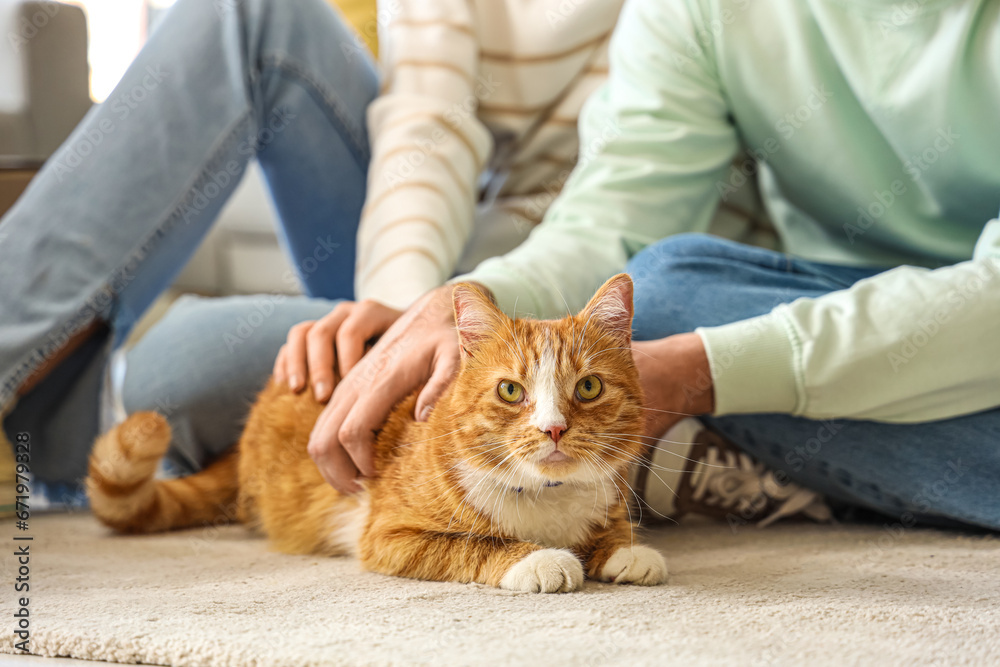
point(788, 595)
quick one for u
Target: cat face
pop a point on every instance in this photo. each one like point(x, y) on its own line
point(543, 402)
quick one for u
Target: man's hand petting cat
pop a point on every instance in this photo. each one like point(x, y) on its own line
point(676, 380)
point(419, 347)
point(314, 348)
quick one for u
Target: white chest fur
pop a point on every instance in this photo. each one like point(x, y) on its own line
point(553, 516)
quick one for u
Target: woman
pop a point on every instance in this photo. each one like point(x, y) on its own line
point(449, 156)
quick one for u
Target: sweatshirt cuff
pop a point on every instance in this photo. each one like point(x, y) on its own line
point(754, 365)
point(509, 288)
point(387, 288)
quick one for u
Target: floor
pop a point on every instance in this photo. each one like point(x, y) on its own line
point(791, 594)
point(28, 660)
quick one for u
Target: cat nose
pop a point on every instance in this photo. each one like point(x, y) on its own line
point(555, 432)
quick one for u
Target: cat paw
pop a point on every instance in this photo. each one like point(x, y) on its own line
point(545, 571)
point(635, 565)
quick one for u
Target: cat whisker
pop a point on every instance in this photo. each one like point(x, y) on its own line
point(621, 494)
point(603, 335)
point(649, 437)
point(641, 440)
point(651, 466)
point(639, 502)
point(498, 488)
point(627, 457)
point(665, 451)
point(607, 503)
point(502, 489)
point(583, 329)
point(465, 500)
point(510, 327)
point(668, 412)
point(511, 347)
point(662, 481)
point(569, 313)
point(607, 349)
point(633, 459)
point(613, 441)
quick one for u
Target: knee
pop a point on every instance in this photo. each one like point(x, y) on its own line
point(665, 275)
point(678, 250)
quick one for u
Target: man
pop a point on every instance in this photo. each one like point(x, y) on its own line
point(863, 363)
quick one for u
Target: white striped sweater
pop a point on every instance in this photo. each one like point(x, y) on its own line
point(464, 80)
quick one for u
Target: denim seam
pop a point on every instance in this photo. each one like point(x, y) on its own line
point(334, 108)
point(89, 312)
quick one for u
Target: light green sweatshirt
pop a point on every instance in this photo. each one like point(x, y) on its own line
point(877, 128)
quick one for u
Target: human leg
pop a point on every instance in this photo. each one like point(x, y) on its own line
point(931, 472)
point(118, 209)
point(936, 473)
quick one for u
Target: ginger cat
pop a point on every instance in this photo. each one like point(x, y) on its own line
point(516, 480)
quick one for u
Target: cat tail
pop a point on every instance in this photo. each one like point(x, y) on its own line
point(125, 497)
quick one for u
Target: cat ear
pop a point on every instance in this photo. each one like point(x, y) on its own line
point(611, 307)
point(476, 316)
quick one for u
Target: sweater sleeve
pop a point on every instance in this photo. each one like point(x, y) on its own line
point(907, 345)
point(428, 148)
point(653, 143)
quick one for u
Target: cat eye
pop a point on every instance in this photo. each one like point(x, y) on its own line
point(589, 388)
point(509, 391)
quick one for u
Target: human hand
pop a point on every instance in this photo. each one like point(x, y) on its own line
point(676, 380)
point(314, 347)
point(420, 347)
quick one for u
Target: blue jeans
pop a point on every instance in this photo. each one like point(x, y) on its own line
point(202, 365)
point(118, 209)
point(942, 472)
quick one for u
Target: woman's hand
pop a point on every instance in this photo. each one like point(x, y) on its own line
point(313, 347)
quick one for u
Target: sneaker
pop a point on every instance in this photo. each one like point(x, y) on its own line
point(696, 471)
